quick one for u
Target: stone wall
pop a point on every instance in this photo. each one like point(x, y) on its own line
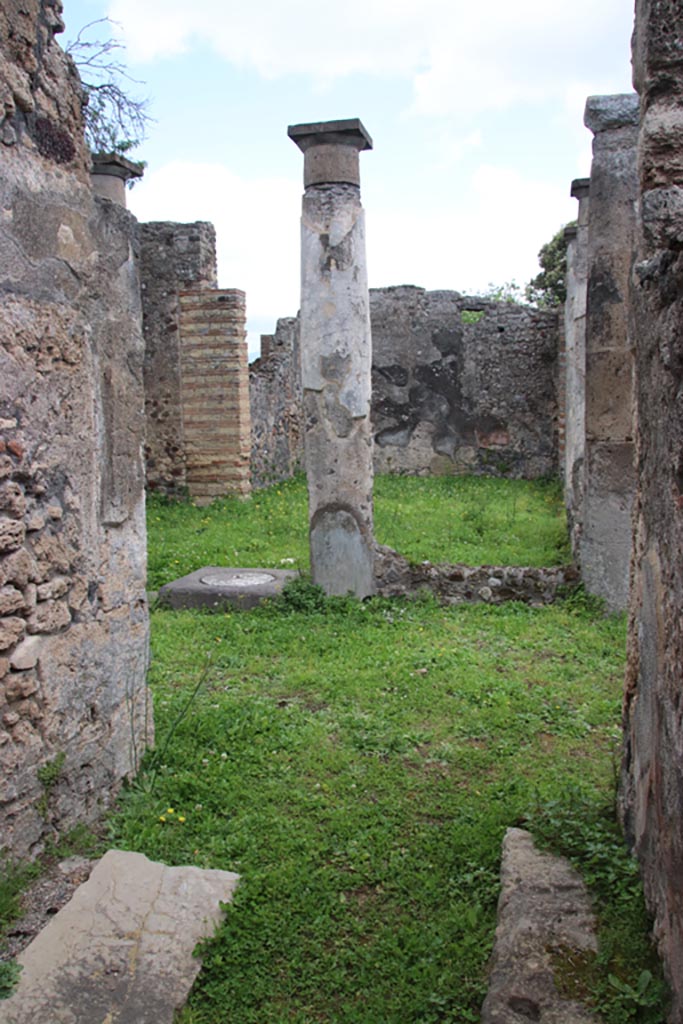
point(276, 406)
point(457, 396)
point(448, 396)
point(575, 364)
point(196, 376)
point(608, 470)
point(653, 709)
point(172, 257)
point(74, 710)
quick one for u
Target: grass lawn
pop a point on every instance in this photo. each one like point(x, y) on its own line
point(358, 764)
point(476, 520)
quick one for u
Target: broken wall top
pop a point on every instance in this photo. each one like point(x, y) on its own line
point(41, 96)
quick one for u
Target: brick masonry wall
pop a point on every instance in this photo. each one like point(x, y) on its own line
point(74, 709)
point(173, 257)
point(215, 393)
point(448, 395)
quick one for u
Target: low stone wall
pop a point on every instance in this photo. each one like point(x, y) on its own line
point(460, 385)
point(74, 709)
point(395, 576)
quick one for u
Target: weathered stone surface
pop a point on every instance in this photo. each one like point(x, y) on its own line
point(121, 949)
point(462, 384)
point(72, 498)
point(447, 396)
point(336, 357)
point(652, 771)
point(11, 535)
point(11, 600)
point(276, 402)
point(395, 576)
point(575, 364)
point(604, 541)
point(215, 587)
point(11, 630)
point(544, 917)
point(172, 257)
point(196, 376)
point(606, 113)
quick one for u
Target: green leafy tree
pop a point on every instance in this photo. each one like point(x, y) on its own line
point(115, 120)
point(548, 289)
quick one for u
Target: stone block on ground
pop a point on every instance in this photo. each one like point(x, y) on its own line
point(121, 949)
point(545, 923)
point(215, 587)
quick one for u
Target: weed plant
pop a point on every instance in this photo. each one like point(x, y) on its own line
point(477, 520)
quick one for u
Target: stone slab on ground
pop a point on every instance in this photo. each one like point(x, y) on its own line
point(120, 951)
point(213, 587)
point(544, 919)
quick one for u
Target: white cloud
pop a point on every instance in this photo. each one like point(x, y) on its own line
point(256, 221)
point(491, 234)
point(459, 56)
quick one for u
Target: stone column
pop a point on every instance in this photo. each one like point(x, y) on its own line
point(336, 357)
point(109, 174)
point(609, 481)
point(575, 363)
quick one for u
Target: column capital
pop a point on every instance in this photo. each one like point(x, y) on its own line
point(331, 150)
point(580, 188)
point(109, 174)
point(605, 113)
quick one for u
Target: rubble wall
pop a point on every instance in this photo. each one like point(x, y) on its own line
point(459, 385)
point(74, 709)
point(652, 780)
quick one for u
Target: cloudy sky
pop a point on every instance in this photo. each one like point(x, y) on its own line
point(475, 108)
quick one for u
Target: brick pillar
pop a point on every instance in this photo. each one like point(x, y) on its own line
point(609, 480)
point(575, 363)
point(336, 357)
point(215, 393)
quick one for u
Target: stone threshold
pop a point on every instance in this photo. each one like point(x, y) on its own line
point(122, 948)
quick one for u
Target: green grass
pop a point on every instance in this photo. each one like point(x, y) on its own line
point(476, 520)
point(358, 764)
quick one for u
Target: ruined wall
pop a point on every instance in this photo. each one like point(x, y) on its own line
point(172, 257)
point(452, 396)
point(196, 373)
point(608, 470)
point(74, 713)
point(448, 396)
point(276, 406)
point(653, 709)
point(575, 364)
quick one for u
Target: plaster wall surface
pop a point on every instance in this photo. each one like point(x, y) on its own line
point(74, 710)
point(652, 778)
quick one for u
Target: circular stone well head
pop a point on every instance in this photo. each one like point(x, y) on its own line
point(215, 586)
point(237, 578)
